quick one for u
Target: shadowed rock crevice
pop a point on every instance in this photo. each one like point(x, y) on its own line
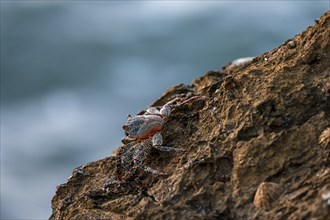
point(251, 129)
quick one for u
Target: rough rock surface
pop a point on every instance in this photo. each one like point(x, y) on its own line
point(256, 123)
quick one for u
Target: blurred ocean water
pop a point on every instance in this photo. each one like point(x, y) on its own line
point(71, 71)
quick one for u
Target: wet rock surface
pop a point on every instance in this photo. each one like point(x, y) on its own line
point(250, 124)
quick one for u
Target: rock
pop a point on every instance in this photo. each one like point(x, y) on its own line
point(260, 122)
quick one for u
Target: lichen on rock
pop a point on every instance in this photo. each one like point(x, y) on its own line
point(258, 122)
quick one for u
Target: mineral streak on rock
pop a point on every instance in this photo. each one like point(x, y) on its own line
point(257, 123)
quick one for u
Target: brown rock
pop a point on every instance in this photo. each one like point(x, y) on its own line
point(260, 122)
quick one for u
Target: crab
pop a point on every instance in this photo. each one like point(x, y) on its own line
point(144, 133)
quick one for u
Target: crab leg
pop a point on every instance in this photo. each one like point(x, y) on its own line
point(147, 168)
point(124, 148)
point(169, 149)
point(141, 154)
point(157, 141)
point(124, 158)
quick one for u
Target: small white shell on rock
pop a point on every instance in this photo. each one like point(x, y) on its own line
point(324, 138)
point(267, 193)
point(326, 198)
point(292, 44)
point(242, 61)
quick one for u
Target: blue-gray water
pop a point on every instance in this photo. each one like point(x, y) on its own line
point(71, 71)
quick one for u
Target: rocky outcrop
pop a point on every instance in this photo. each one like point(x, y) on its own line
point(252, 141)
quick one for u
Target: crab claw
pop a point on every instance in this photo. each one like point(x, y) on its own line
point(125, 127)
